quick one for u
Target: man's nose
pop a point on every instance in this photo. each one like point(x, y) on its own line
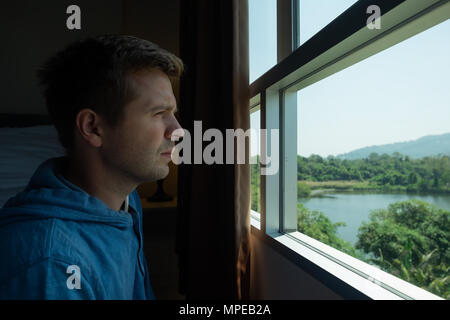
point(174, 130)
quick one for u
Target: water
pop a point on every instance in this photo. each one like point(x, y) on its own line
point(354, 208)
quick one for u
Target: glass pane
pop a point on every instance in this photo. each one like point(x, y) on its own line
point(255, 170)
point(316, 14)
point(262, 36)
point(374, 160)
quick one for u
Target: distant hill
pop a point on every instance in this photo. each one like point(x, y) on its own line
point(426, 146)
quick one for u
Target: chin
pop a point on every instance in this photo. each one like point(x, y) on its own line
point(165, 175)
point(161, 173)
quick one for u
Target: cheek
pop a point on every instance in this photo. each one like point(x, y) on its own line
point(152, 135)
point(143, 135)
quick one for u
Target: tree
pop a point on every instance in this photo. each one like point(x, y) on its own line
point(316, 225)
point(423, 185)
point(429, 174)
point(303, 190)
point(374, 158)
point(412, 178)
point(315, 158)
point(410, 239)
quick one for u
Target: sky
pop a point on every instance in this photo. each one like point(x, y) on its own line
point(397, 95)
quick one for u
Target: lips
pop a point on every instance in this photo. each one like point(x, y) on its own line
point(167, 152)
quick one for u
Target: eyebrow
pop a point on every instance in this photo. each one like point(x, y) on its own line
point(164, 108)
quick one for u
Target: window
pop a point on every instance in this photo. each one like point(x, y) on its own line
point(255, 169)
point(262, 36)
point(378, 148)
point(343, 102)
point(316, 14)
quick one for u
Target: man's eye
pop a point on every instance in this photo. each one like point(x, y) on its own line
point(159, 113)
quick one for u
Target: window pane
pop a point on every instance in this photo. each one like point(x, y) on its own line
point(255, 170)
point(316, 14)
point(374, 160)
point(262, 36)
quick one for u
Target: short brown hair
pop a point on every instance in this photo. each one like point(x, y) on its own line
point(93, 73)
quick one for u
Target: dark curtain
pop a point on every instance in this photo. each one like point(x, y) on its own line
point(213, 221)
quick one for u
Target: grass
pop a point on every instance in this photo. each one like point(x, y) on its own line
point(318, 187)
point(342, 185)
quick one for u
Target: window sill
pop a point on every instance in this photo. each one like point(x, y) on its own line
point(255, 219)
point(360, 278)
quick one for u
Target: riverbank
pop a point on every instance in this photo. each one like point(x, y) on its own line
point(319, 188)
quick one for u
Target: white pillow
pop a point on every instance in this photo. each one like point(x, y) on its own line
point(22, 150)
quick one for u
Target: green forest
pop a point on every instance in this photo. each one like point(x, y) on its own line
point(380, 172)
point(409, 239)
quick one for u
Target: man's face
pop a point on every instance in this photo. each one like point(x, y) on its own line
point(137, 145)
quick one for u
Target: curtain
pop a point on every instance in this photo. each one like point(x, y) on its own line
point(213, 216)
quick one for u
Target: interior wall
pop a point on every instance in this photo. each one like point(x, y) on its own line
point(287, 281)
point(156, 21)
point(34, 30)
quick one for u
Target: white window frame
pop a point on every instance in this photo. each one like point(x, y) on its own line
point(275, 91)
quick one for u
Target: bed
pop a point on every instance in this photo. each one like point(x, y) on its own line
point(26, 140)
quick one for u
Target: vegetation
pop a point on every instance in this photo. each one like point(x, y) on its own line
point(411, 239)
point(377, 172)
point(303, 189)
point(316, 225)
point(255, 181)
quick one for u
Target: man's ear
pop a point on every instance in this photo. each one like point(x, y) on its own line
point(88, 125)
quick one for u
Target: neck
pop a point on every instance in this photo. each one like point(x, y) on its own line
point(96, 179)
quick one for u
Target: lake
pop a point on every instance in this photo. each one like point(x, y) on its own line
point(354, 208)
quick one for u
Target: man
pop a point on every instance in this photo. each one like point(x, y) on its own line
point(75, 232)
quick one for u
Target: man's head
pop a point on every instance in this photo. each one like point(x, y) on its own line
point(107, 95)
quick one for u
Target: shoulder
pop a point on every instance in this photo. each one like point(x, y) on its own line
point(23, 243)
point(28, 243)
point(50, 278)
point(38, 256)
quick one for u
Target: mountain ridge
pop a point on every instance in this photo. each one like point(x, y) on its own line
point(430, 145)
